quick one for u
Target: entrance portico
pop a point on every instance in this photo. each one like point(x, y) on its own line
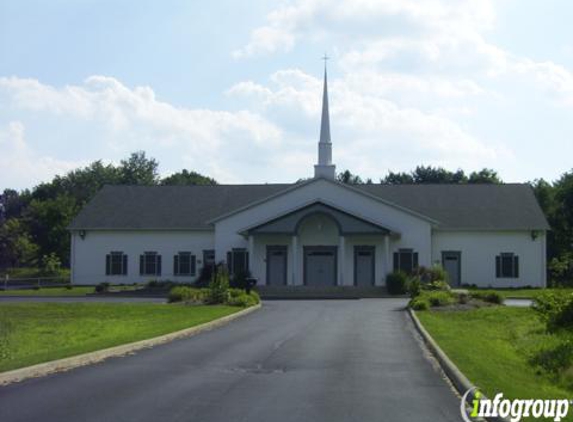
point(322, 245)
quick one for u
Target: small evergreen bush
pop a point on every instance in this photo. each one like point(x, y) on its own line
point(205, 276)
point(179, 294)
point(186, 294)
point(419, 303)
point(437, 285)
point(102, 287)
point(218, 290)
point(429, 275)
point(243, 299)
point(414, 287)
point(397, 283)
point(440, 298)
point(556, 310)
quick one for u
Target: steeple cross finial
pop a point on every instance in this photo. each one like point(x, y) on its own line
point(325, 58)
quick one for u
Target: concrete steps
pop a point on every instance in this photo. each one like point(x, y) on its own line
point(320, 292)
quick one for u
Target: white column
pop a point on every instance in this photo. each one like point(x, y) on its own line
point(387, 267)
point(251, 249)
point(294, 260)
point(341, 260)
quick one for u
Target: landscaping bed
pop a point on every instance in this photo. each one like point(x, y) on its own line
point(32, 333)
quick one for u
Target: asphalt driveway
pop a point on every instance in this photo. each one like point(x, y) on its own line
point(348, 360)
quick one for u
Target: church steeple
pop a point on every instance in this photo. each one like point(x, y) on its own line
point(325, 168)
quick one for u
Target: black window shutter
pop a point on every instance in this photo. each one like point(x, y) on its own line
point(415, 260)
point(193, 265)
point(176, 265)
point(124, 269)
point(141, 266)
point(247, 260)
point(516, 266)
point(107, 264)
point(158, 266)
point(229, 262)
point(396, 261)
point(498, 266)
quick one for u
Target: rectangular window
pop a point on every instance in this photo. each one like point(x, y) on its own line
point(507, 265)
point(116, 263)
point(405, 260)
point(150, 264)
point(184, 264)
point(238, 261)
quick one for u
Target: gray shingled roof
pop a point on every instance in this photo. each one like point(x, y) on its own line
point(475, 207)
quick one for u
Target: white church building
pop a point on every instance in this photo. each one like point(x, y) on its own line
point(319, 232)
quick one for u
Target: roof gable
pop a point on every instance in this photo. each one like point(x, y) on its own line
point(288, 223)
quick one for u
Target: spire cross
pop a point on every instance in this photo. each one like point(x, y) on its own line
point(325, 58)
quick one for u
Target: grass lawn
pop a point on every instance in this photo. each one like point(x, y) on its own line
point(492, 346)
point(49, 291)
point(529, 293)
point(61, 291)
point(31, 333)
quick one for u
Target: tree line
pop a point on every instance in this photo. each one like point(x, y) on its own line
point(33, 223)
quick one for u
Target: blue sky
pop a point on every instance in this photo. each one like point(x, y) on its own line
point(232, 89)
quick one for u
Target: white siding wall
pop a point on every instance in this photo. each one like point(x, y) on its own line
point(415, 232)
point(88, 255)
point(479, 250)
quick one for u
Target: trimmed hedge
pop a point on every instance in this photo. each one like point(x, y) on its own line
point(186, 294)
point(397, 283)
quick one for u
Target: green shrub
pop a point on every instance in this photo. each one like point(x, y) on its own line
point(414, 287)
point(463, 298)
point(179, 294)
point(489, 296)
point(218, 290)
point(556, 310)
point(102, 287)
point(239, 280)
point(186, 294)
point(561, 270)
point(205, 276)
point(397, 283)
point(440, 298)
point(242, 298)
point(51, 265)
point(555, 359)
point(429, 275)
point(436, 285)
point(419, 303)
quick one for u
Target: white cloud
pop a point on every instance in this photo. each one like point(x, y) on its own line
point(370, 132)
point(122, 120)
point(20, 166)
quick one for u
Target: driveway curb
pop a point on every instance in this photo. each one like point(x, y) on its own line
point(66, 364)
point(458, 379)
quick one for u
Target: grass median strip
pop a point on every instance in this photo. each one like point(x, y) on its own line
point(529, 293)
point(32, 333)
point(49, 291)
point(493, 347)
